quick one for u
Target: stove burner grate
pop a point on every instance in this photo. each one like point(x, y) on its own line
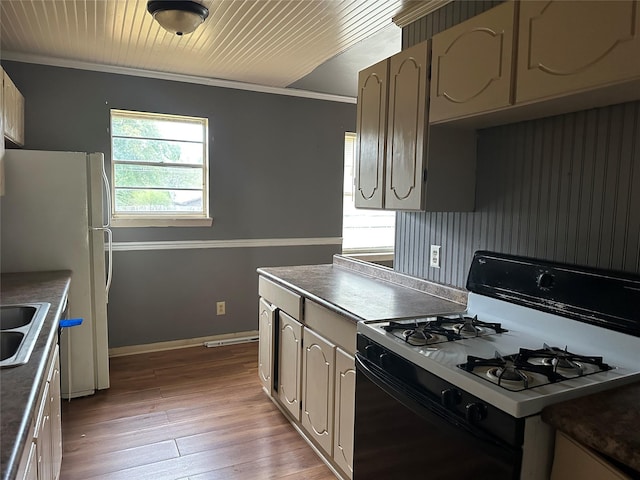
point(441, 329)
point(510, 371)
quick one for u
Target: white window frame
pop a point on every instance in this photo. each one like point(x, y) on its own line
point(160, 219)
point(369, 253)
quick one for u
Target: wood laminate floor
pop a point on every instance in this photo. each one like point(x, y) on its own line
point(195, 413)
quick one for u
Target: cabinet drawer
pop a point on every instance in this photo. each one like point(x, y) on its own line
point(332, 326)
point(281, 297)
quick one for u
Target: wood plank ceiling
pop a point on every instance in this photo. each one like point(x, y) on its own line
point(266, 42)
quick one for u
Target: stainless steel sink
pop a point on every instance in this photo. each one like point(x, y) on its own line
point(20, 326)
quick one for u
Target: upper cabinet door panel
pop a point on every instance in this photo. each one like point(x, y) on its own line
point(408, 87)
point(572, 46)
point(472, 65)
point(371, 131)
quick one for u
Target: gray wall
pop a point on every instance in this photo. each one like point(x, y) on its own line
point(276, 165)
point(565, 188)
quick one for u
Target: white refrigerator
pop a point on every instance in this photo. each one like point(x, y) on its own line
point(52, 218)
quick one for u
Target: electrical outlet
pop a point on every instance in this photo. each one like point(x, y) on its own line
point(221, 308)
point(435, 256)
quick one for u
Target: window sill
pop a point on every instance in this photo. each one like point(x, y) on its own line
point(161, 222)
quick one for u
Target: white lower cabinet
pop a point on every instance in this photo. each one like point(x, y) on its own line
point(290, 364)
point(344, 411)
point(42, 436)
point(266, 322)
point(28, 469)
point(306, 365)
point(56, 419)
point(318, 360)
point(42, 457)
point(573, 460)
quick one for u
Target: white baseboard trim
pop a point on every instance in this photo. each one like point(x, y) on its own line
point(215, 340)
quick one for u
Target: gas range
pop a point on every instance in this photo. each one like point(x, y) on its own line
point(514, 356)
point(534, 333)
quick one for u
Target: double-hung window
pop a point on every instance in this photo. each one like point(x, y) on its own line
point(364, 232)
point(159, 167)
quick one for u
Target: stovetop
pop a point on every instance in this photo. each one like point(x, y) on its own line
point(469, 349)
point(439, 329)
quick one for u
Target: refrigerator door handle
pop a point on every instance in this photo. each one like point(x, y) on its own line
point(109, 255)
point(107, 191)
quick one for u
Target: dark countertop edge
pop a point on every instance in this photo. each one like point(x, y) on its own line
point(19, 291)
point(321, 301)
point(578, 419)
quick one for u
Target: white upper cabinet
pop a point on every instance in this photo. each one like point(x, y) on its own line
point(534, 58)
point(571, 46)
point(12, 111)
point(391, 128)
point(372, 129)
point(406, 134)
point(471, 65)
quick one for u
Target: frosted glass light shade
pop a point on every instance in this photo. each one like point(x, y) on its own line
point(178, 17)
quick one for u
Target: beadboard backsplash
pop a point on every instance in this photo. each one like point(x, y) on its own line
point(564, 188)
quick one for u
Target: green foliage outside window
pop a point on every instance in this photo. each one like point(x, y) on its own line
point(157, 164)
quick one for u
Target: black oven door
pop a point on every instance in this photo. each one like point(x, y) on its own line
point(401, 433)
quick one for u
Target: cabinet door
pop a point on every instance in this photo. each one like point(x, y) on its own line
point(8, 112)
point(2, 129)
point(318, 388)
point(344, 411)
point(472, 63)
point(408, 87)
point(19, 118)
point(571, 46)
point(56, 419)
point(289, 363)
point(266, 324)
point(371, 131)
point(572, 460)
point(42, 436)
point(30, 471)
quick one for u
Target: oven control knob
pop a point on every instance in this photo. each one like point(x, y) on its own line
point(450, 397)
point(370, 351)
point(475, 412)
point(545, 281)
point(384, 360)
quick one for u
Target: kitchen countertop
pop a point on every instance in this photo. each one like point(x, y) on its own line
point(19, 385)
point(363, 291)
point(608, 422)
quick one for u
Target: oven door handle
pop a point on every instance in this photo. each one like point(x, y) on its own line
point(418, 403)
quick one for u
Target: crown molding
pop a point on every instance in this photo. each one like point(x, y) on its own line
point(176, 77)
point(415, 12)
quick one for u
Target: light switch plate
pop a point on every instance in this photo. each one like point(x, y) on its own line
point(434, 258)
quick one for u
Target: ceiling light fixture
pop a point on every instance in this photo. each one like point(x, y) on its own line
point(178, 17)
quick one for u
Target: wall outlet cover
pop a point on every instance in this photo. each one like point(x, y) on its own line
point(434, 257)
point(220, 308)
